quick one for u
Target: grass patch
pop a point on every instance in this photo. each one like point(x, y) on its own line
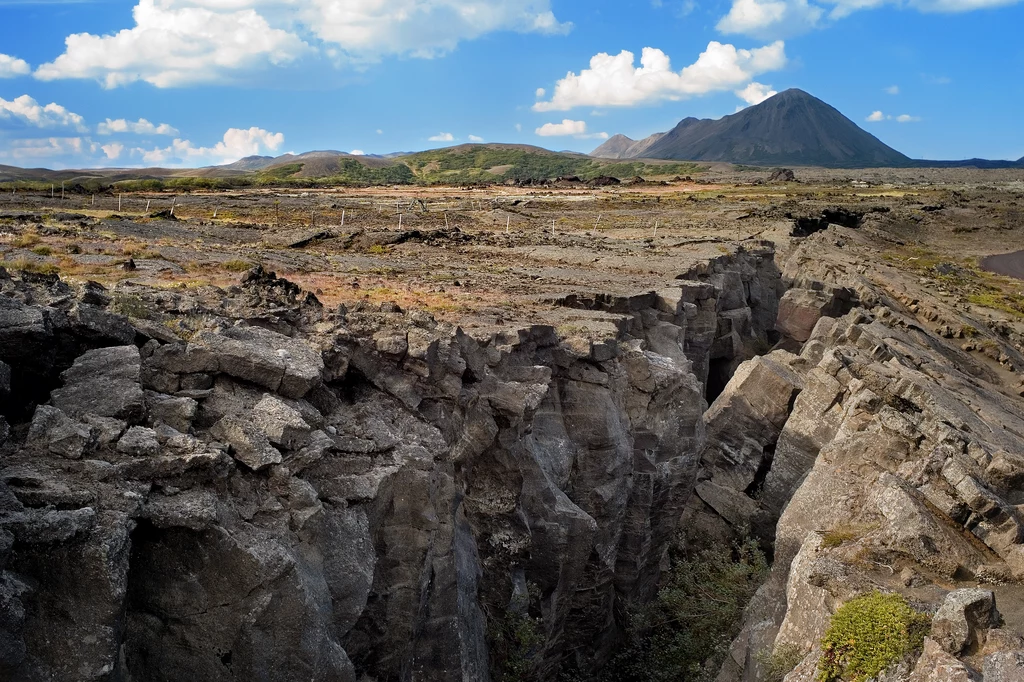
point(236, 265)
point(844, 533)
point(34, 267)
point(868, 634)
point(131, 305)
point(42, 250)
point(26, 240)
point(1012, 304)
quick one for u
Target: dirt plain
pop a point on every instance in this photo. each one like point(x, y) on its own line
point(489, 256)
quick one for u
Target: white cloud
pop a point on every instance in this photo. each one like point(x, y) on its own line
point(875, 117)
point(566, 127)
point(475, 138)
point(519, 127)
point(442, 137)
point(540, 92)
point(236, 144)
point(379, 131)
point(12, 66)
point(113, 150)
point(907, 118)
point(173, 45)
point(140, 127)
point(44, 148)
point(26, 110)
point(577, 129)
point(769, 19)
point(180, 42)
point(893, 90)
point(755, 93)
point(615, 81)
point(357, 152)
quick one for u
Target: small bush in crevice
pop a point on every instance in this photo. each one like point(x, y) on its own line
point(685, 633)
point(780, 662)
point(515, 641)
point(868, 634)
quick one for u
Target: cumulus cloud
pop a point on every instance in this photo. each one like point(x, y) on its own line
point(577, 129)
point(442, 137)
point(236, 144)
point(875, 117)
point(907, 118)
point(475, 138)
point(902, 118)
point(112, 150)
point(892, 90)
point(181, 42)
point(769, 19)
point(357, 152)
point(175, 43)
point(755, 93)
point(12, 66)
point(616, 81)
point(140, 127)
point(44, 148)
point(27, 111)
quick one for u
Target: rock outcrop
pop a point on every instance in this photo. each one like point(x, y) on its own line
point(336, 495)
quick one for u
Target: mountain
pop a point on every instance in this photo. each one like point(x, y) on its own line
point(791, 128)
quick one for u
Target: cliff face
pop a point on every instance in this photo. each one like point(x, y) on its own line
point(877, 456)
point(293, 493)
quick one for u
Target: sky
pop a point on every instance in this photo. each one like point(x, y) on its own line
point(188, 83)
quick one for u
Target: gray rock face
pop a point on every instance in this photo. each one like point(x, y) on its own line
point(103, 382)
point(138, 441)
point(264, 358)
point(283, 424)
point(248, 443)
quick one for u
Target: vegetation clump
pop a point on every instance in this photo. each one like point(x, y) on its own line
point(780, 662)
point(684, 634)
point(868, 634)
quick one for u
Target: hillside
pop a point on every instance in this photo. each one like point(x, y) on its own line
point(791, 128)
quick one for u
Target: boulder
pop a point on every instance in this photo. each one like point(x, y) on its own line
point(55, 432)
point(963, 617)
point(282, 423)
point(138, 441)
point(1004, 666)
point(937, 665)
point(799, 311)
point(104, 382)
point(175, 412)
point(248, 443)
point(274, 361)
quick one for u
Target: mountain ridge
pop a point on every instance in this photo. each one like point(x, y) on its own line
point(790, 128)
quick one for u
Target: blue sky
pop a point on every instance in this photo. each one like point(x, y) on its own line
point(198, 82)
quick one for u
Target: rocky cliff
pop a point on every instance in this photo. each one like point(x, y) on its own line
point(288, 492)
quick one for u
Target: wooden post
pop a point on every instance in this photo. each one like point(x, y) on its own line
point(118, 203)
point(655, 229)
point(552, 227)
point(51, 191)
point(174, 200)
point(508, 221)
point(147, 204)
point(343, 217)
point(62, 192)
point(446, 221)
point(598, 221)
point(215, 212)
point(93, 199)
point(399, 221)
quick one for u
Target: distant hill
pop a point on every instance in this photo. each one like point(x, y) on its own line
point(791, 128)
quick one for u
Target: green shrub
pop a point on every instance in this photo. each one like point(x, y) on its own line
point(237, 265)
point(131, 305)
point(868, 634)
point(516, 641)
point(780, 662)
point(685, 633)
